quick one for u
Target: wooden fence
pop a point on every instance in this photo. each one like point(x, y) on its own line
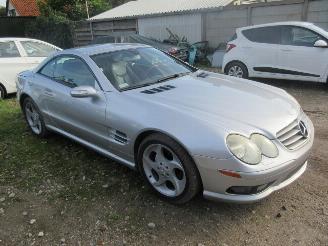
point(86, 31)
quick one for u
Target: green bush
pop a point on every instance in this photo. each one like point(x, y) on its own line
point(54, 29)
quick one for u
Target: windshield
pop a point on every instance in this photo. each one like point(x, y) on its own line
point(134, 68)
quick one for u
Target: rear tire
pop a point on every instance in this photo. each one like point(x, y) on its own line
point(237, 69)
point(2, 93)
point(34, 118)
point(168, 169)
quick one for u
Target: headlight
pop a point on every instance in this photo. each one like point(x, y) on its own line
point(244, 149)
point(250, 150)
point(266, 146)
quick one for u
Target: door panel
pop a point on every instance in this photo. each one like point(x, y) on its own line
point(298, 57)
point(84, 118)
point(262, 48)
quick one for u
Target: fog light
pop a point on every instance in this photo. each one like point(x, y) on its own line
point(247, 190)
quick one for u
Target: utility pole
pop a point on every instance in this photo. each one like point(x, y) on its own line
point(87, 8)
point(90, 22)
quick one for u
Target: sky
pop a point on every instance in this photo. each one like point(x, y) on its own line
point(3, 3)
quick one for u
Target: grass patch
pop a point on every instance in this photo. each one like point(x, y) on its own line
point(56, 167)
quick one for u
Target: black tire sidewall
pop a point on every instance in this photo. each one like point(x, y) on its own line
point(44, 132)
point(3, 93)
point(193, 182)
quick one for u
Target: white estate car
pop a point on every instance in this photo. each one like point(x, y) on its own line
point(284, 50)
point(17, 55)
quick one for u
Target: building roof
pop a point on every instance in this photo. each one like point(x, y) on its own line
point(26, 7)
point(156, 7)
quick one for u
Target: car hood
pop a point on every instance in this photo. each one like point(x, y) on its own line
point(229, 102)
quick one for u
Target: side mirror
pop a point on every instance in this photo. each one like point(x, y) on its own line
point(321, 44)
point(84, 91)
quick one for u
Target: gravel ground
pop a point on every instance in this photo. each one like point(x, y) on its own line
point(55, 192)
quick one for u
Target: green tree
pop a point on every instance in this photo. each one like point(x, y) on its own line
point(73, 9)
point(3, 11)
point(116, 3)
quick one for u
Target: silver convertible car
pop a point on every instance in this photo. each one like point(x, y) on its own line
point(186, 130)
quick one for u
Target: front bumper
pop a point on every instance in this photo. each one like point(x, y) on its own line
point(278, 184)
point(253, 182)
point(216, 185)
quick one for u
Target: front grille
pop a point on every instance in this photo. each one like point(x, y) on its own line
point(291, 136)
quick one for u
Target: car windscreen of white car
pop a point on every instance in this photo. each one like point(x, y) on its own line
point(134, 68)
point(36, 49)
point(8, 49)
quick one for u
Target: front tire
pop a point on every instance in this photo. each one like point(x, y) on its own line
point(237, 69)
point(34, 118)
point(168, 169)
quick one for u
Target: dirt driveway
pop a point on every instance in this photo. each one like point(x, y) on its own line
point(55, 192)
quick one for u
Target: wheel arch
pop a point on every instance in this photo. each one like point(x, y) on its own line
point(144, 134)
point(22, 98)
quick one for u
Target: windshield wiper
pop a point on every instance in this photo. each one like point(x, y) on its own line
point(176, 75)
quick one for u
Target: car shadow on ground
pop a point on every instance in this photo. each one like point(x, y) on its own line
point(293, 84)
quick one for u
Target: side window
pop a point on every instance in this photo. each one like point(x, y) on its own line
point(8, 49)
point(73, 72)
point(298, 36)
point(48, 69)
point(36, 49)
point(268, 35)
point(70, 71)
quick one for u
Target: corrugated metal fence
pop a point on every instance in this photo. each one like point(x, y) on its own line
point(221, 25)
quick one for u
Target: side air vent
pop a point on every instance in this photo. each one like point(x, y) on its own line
point(202, 75)
point(159, 89)
point(119, 136)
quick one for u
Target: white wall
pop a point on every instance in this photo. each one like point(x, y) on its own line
point(220, 26)
point(189, 25)
point(11, 7)
point(318, 13)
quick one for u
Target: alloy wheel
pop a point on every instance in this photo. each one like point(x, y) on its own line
point(33, 118)
point(236, 71)
point(164, 170)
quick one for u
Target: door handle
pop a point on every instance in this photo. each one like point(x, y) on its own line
point(286, 50)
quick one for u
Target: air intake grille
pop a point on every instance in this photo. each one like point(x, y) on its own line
point(159, 89)
point(118, 136)
point(291, 136)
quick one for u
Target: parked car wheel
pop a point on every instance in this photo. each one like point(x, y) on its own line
point(2, 93)
point(168, 169)
point(237, 69)
point(34, 118)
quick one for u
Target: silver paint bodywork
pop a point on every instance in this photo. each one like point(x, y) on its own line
point(198, 113)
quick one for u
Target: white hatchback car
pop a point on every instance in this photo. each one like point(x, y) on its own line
point(17, 55)
point(283, 50)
